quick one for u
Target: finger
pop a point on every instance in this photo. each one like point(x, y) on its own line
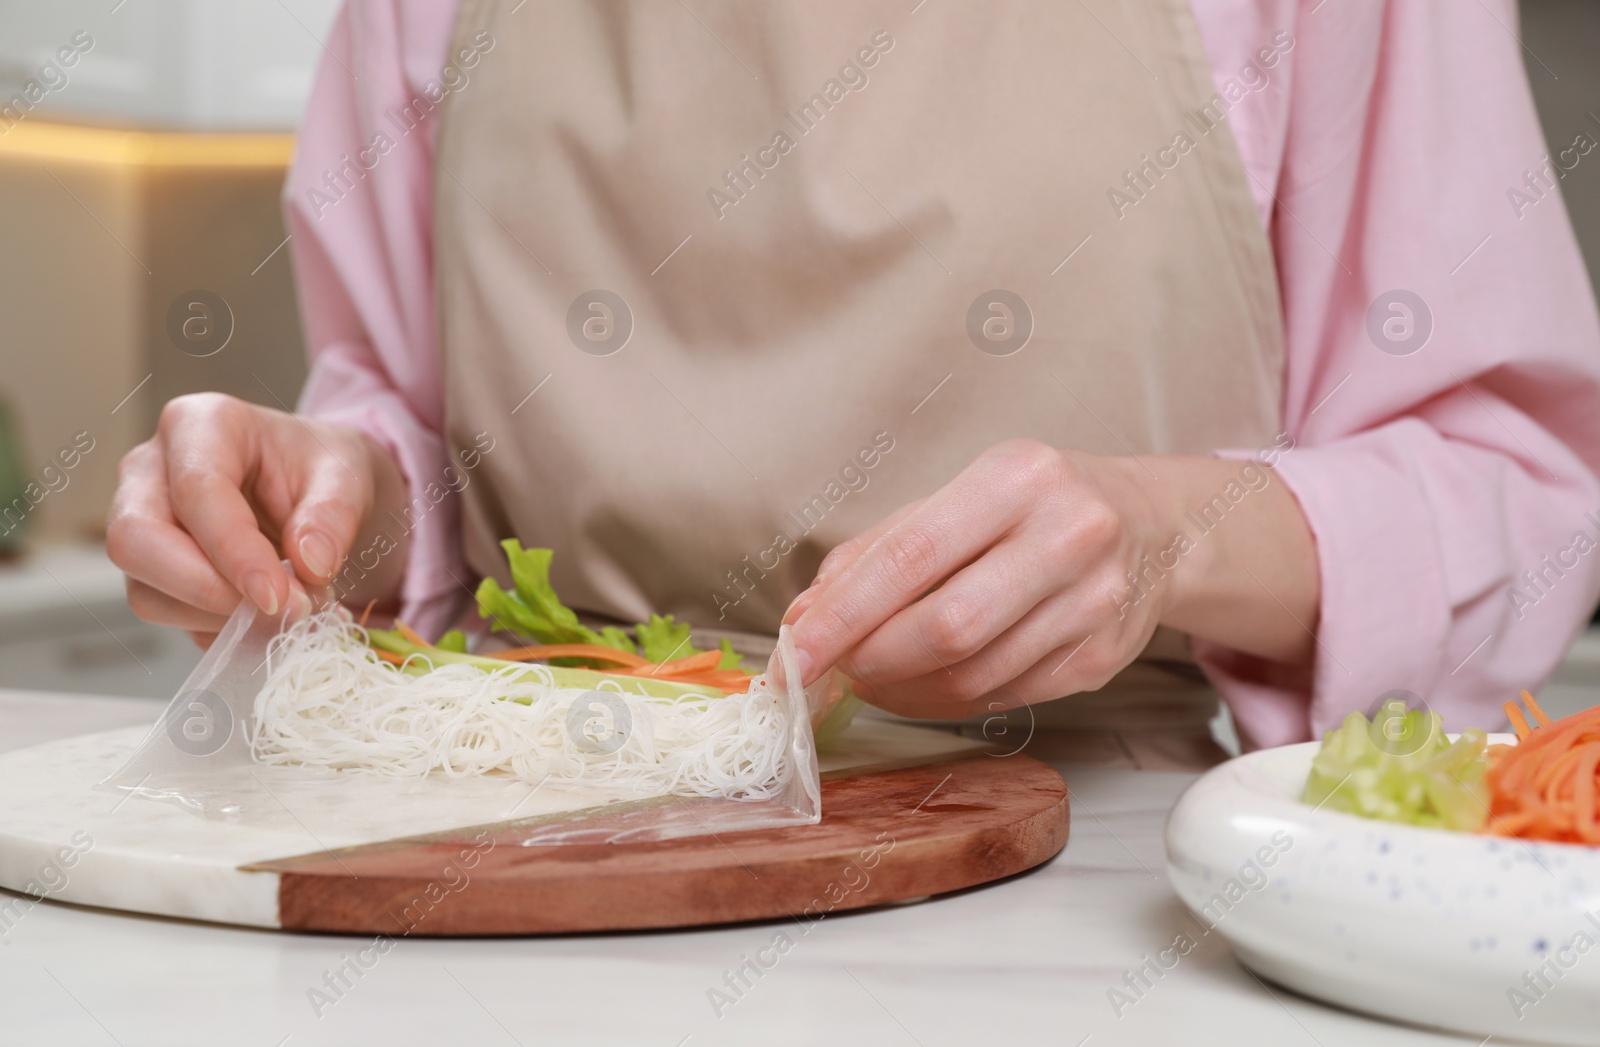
point(801, 603)
point(933, 698)
point(845, 553)
point(322, 526)
point(203, 640)
point(1087, 664)
point(841, 556)
point(143, 540)
point(210, 451)
point(943, 534)
point(962, 616)
point(153, 605)
point(1062, 647)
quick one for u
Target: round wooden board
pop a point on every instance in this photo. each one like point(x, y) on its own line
point(884, 837)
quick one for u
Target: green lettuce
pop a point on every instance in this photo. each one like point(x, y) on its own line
point(532, 610)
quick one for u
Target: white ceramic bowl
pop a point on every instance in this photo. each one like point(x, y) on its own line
point(1476, 934)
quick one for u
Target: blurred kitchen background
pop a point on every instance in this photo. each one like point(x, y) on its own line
point(144, 164)
point(150, 168)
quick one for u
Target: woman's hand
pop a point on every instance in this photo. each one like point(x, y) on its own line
point(1038, 573)
point(206, 509)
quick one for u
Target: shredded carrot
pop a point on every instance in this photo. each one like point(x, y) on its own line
point(1555, 769)
point(1533, 707)
point(370, 605)
point(733, 681)
point(698, 670)
point(1586, 824)
point(705, 660)
point(389, 656)
point(592, 651)
point(1514, 714)
point(1547, 786)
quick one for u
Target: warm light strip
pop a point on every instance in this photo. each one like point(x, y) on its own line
point(38, 139)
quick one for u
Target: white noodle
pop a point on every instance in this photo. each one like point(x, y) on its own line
point(329, 702)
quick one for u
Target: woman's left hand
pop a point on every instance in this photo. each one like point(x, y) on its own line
point(1038, 573)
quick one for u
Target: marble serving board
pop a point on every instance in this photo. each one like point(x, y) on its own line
point(336, 858)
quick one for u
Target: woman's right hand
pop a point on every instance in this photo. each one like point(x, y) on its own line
point(207, 508)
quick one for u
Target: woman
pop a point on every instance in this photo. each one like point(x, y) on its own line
point(1106, 346)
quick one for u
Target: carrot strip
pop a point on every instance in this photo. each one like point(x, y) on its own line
point(1547, 786)
point(1514, 714)
point(731, 681)
point(693, 664)
point(367, 611)
point(571, 650)
point(405, 630)
point(1583, 799)
point(1533, 707)
point(1551, 770)
point(388, 656)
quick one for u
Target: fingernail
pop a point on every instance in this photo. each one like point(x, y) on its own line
point(318, 554)
point(804, 660)
point(259, 588)
point(798, 606)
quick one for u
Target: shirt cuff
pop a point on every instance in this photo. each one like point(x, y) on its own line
point(1384, 610)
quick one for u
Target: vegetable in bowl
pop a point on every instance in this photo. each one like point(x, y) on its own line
point(1402, 767)
point(1545, 787)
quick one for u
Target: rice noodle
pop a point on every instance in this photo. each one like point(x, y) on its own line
point(329, 702)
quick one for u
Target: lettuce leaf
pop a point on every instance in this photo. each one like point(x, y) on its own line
point(615, 636)
point(662, 639)
point(532, 610)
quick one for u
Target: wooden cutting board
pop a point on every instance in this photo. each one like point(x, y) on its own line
point(884, 837)
point(889, 832)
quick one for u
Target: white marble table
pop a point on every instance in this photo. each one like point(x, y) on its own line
point(1027, 961)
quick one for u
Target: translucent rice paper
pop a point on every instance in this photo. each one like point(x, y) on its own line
point(198, 755)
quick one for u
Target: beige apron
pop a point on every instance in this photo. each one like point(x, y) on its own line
point(775, 269)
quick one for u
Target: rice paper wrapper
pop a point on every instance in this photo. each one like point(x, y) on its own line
point(199, 756)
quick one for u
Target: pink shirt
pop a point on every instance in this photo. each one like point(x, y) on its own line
point(1394, 148)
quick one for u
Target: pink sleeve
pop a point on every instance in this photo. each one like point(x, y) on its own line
point(360, 209)
point(1450, 481)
